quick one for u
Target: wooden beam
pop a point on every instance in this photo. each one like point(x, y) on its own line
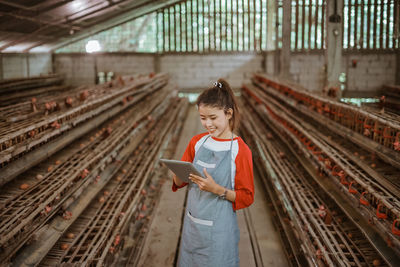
point(174, 18)
point(362, 41)
point(215, 25)
point(243, 27)
point(163, 29)
point(396, 30)
point(231, 12)
point(169, 30)
point(186, 24)
point(387, 45)
point(375, 35)
point(248, 26)
point(209, 24)
point(261, 27)
point(204, 35)
point(323, 25)
point(180, 27)
point(226, 25)
point(237, 25)
point(309, 23)
point(220, 25)
point(368, 24)
point(198, 26)
point(381, 35)
point(254, 26)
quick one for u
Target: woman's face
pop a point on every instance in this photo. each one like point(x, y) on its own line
point(215, 121)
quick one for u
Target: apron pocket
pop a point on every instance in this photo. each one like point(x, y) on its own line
point(206, 165)
point(200, 241)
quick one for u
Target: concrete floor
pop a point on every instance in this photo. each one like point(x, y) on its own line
point(259, 242)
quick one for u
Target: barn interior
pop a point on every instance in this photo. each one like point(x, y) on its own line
point(94, 93)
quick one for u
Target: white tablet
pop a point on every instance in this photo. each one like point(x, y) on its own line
point(182, 169)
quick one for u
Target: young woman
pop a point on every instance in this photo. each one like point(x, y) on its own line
point(210, 233)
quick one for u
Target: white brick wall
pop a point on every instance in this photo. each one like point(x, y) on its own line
point(80, 68)
point(16, 65)
point(201, 71)
point(371, 72)
point(308, 70)
point(77, 69)
point(40, 64)
point(125, 64)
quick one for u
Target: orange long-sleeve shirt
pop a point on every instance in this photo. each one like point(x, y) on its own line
point(242, 166)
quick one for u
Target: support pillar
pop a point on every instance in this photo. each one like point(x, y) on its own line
point(333, 54)
point(284, 66)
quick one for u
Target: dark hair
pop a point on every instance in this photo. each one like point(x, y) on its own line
point(221, 96)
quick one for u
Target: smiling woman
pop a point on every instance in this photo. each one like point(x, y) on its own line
point(210, 233)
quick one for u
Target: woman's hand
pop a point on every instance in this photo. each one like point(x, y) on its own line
point(177, 181)
point(206, 184)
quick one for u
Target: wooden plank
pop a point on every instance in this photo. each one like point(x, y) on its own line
point(243, 27)
point(248, 26)
point(231, 12)
point(323, 25)
point(209, 25)
point(387, 25)
point(186, 25)
point(180, 27)
point(396, 24)
point(362, 44)
point(220, 25)
point(254, 25)
point(198, 26)
point(310, 5)
point(381, 34)
point(157, 31)
point(215, 25)
point(356, 39)
point(237, 25)
point(204, 35)
point(303, 25)
point(163, 28)
point(296, 43)
point(350, 23)
point(191, 26)
point(169, 30)
point(174, 17)
point(261, 25)
point(226, 25)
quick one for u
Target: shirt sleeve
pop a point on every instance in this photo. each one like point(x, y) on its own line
point(244, 181)
point(188, 156)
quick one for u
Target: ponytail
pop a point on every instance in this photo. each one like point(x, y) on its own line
point(221, 96)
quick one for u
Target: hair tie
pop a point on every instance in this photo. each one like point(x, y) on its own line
point(217, 84)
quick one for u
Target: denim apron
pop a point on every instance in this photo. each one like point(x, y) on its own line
point(210, 233)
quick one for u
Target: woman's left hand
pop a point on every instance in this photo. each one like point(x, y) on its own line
point(205, 184)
